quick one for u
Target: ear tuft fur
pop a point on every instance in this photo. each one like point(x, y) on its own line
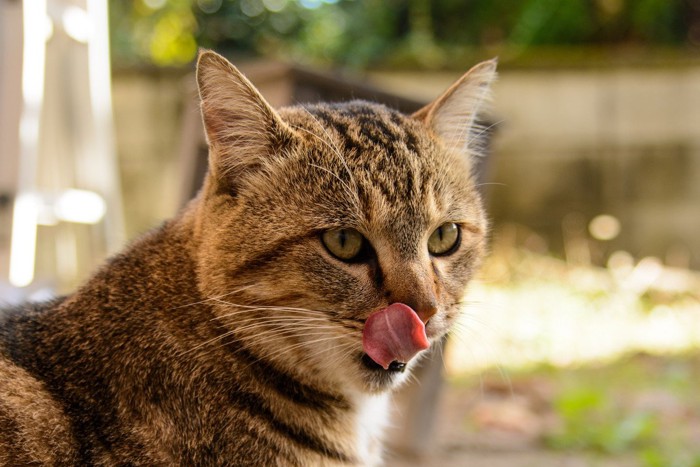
point(453, 115)
point(242, 129)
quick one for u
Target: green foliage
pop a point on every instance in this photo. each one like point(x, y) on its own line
point(163, 35)
point(591, 420)
point(373, 32)
point(655, 457)
point(641, 405)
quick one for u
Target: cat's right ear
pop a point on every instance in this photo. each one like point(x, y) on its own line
point(243, 131)
point(453, 115)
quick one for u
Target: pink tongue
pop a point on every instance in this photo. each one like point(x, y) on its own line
point(394, 333)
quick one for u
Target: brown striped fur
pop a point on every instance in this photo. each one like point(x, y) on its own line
point(229, 335)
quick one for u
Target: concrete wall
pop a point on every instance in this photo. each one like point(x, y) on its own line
point(569, 145)
point(574, 144)
point(148, 110)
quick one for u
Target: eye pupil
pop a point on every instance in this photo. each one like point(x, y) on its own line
point(444, 240)
point(344, 244)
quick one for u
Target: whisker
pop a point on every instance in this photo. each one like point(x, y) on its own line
point(253, 310)
point(346, 187)
point(266, 318)
point(276, 332)
point(328, 315)
point(214, 298)
point(274, 307)
point(484, 129)
point(204, 344)
point(338, 358)
point(295, 346)
point(270, 325)
point(335, 148)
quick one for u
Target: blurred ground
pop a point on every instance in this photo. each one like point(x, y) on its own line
point(561, 363)
point(642, 410)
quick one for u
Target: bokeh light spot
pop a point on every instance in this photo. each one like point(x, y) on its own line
point(275, 6)
point(252, 8)
point(604, 227)
point(209, 6)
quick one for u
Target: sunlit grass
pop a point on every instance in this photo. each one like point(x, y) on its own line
point(530, 308)
point(646, 404)
point(567, 361)
point(640, 410)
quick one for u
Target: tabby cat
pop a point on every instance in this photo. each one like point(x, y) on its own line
point(268, 322)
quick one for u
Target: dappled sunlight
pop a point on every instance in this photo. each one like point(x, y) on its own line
point(529, 309)
point(556, 361)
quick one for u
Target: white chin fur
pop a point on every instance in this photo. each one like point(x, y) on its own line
point(372, 420)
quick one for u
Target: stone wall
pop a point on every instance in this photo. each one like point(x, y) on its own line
point(569, 145)
point(148, 110)
point(574, 144)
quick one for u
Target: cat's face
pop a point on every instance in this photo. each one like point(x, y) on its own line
point(314, 218)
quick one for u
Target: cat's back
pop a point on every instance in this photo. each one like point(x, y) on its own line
point(68, 366)
point(35, 429)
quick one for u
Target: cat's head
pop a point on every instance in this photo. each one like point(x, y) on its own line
point(314, 218)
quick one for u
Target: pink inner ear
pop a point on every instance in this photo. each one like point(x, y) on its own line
point(394, 333)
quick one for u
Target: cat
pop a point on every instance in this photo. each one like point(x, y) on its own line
point(268, 322)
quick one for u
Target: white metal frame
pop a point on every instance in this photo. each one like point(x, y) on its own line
point(94, 181)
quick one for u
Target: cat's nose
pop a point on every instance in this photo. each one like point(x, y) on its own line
point(413, 287)
point(425, 309)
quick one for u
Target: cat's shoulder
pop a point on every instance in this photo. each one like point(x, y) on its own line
point(33, 427)
point(23, 314)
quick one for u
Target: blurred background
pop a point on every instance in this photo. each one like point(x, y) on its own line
point(579, 344)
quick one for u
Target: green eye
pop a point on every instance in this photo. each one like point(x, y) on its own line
point(344, 244)
point(444, 240)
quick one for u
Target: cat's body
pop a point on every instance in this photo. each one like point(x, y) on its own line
point(132, 388)
point(238, 332)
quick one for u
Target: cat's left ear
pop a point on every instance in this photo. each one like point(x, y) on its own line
point(242, 129)
point(453, 115)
